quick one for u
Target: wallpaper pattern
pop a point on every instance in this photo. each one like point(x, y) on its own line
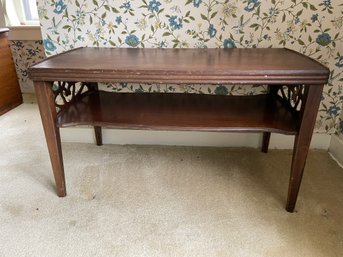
point(314, 28)
point(25, 53)
point(340, 126)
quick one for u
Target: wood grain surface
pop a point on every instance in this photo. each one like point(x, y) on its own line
point(156, 65)
point(10, 94)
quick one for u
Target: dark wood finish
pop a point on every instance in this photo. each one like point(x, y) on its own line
point(278, 111)
point(10, 94)
point(302, 142)
point(212, 66)
point(97, 129)
point(191, 112)
point(272, 91)
point(98, 135)
point(47, 110)
point(265, 142)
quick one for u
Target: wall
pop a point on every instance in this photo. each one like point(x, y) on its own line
point(314, 28)
point(340, 126)
point(2, 15)
point(25, 53)
point(25, 50)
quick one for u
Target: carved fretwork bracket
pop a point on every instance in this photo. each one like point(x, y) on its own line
point(67, 92)
point(292, 96)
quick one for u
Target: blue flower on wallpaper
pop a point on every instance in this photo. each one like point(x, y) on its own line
point(162, 44)
point(327, 3)
point(340, 128)
point(333, 110)
point(196, 3)
point(80, 38)
point(323, 39)
point(175, 22)
point(132, 40)
point(339, 63)
point(154, 6)
point(59, 7)
point(267, 37)
point(296, 20)
point(314, 17)
point(228, 43)
point(126, 5)
point(272, 11)
point(24, 72)
point(18, 44)
point(251, 5)
point(212, 31)
point(221, 90)
point(31, 52)
point(118, 20)
point(49, 45)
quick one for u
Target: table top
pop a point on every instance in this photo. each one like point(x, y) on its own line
point(156, 65)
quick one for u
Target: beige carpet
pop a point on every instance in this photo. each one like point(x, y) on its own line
point(161, 201)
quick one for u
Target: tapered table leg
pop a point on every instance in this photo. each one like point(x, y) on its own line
point(272, 91)
point(302, 141)
point(97, 129)
point(98, 135)
point(47, 110)
point(265, 142)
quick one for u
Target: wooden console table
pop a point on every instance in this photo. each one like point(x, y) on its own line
point(295, 83)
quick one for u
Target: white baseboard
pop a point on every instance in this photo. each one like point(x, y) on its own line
point(336, 149)
point(217, 139)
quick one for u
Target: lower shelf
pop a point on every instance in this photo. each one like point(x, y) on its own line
point(166, 111)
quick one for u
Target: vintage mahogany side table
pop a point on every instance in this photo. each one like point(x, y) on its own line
point(295, 83)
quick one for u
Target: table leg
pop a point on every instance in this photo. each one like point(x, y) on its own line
point(98, 135)
point(272, 91)
point(97, 129)
point(302, 141)
point(265, 142)
point(48, 114)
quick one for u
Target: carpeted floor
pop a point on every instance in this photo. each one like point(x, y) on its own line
point(161, 201)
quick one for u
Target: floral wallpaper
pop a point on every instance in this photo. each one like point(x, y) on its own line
point(25, 53)
point(314, 28)
point(340, 126)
